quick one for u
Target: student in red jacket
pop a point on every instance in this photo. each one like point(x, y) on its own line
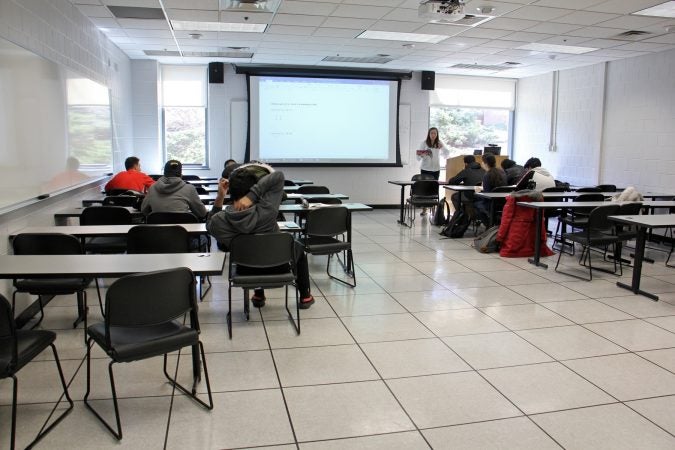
point(517, 229)
point(132, 179)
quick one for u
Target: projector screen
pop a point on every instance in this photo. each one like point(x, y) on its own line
point(323, 121)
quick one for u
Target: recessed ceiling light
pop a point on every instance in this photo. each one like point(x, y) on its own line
point(666, 9)
point(553, 48)
point(393, 36)
point(188, 25)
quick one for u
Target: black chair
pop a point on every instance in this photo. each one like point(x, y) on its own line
point(114, 192)
point(105, 215)
point(326, 200)
point(576, 218)
point(625, 232)
point(313, 189)
point(588, 189)
point(155, 176)
point(190, 178)
point(598, 232)
point(201, 190)
point(265, 260)
point(158, 239)
point(325, 234)
point(133, 201)
point(423, 193)
point(290, 183)
point(17, 349)
point(606, 187)
point(145, 317)
point(52, 244)
point(422, 176)
point(498, 203)
point(549, 213)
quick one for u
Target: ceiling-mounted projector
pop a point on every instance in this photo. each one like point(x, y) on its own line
point(442, 10)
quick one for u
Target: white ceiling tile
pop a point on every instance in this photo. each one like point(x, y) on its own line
point(137, 3)
point(663, 39)
point(505, 23)
point(442, 30)
point(405, 15)
point(95, 11)
point(238, 17)
point(337, 32)
point(631, 22)
point(391, 3)
point(148, 33)
point(643, 47)
point(514, 52)
point(390, 25)
point(565, 40)
point(487, 33)
point(193, 15)
point(462, 40)
point(585, 18)
point(299, 20)
point(192, 4)
point(529, 37)
point(596, 32)
point(505, 44)
point(602, 43)
point(289, 29)
point(115, 32)
point(362, 12)
point(341, 22)
point(624, 6)
point(206, 35)
point(537, 13)
point(306, 8)
point(480, 49)
point(103, 22)
point(144, 24)
point(616, 53)
point(571, 4)
point(86, 2)
point(500, 8)
point(552, 28)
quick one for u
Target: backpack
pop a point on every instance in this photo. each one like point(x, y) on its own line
point(486, 242)
point(440, 217)
point(457, 226)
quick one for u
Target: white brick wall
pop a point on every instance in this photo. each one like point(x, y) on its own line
point(532, 127)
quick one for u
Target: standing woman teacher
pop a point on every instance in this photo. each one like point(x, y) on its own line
point(429, 152)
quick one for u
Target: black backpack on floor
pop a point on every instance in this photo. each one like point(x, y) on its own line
point(442, 213)
point(457, 226)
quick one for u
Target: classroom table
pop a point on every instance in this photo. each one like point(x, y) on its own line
point(206, 199)
point(61, 217)
point(460, 188)
point(541, 206)
point(301, 182)
point(642, 223)
point(313, 196)
point(403, 184)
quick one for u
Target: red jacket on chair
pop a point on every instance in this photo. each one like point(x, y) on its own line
point(517, 229)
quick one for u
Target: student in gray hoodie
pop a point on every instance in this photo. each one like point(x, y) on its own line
point(256, 191)
point(171, 194)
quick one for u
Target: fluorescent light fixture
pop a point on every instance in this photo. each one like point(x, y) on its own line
point(666, 9)
point(553, 48)
point(409, 37)
point(188, 25)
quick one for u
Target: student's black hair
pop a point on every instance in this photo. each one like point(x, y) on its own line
point(507, 163)
point(435, 143)
point(469, 159)
point(131, 162)
point(228, 162)
point(532, 163)
point(495, 175)
point(490, 160)
point(244, 178)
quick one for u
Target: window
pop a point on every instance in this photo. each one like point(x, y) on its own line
point(184, 114)
point(89, 124)
point(472, 112)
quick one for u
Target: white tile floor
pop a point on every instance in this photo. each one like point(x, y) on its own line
point(438, 346)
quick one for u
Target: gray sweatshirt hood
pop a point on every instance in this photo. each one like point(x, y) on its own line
point(169, 185)
point(542, 171)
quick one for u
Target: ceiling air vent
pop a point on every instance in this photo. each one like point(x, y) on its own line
point(161, 52)
point(363, 60)
point(132, 12)
point(492, 68)
point(632, 35)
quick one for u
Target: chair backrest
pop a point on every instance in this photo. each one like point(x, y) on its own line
point(290, 183)
point(8, 337)
point(424, 188)
point(105, 215)
point(589, 198)
point(201, 190)
point(503, 189)
point(190, 178)
point(588, 189)
point(327, 221)
point(598, 221)
point(262, 250)
point(555, 189)
point(606, 187)
point(313, 189)
point(46, 244)
point(630, 209)
point(422, 176)
point(326, 200)
point(152, 298)
point(155, 176)
point(122, 200)
point(113, 192)
point(171, 217)
point(158, 239)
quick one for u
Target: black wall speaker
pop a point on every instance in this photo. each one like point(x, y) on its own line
point(428, 80)
point(216, 72)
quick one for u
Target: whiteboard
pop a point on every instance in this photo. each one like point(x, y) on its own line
point(55, 127)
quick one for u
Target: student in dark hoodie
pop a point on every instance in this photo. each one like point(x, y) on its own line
point(513, 171)
point(471, 175)
point(171, 194)
point(256, 191)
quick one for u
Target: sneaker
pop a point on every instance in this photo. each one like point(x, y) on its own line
point(305, 303)
point(424, 212)
point(258, 302)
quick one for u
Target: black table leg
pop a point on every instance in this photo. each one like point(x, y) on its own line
point(637, 266)
point(400, 220)
point(537, 241)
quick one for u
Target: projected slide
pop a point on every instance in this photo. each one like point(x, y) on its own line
point(323, 120)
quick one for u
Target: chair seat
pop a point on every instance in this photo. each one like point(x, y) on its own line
point(575, 221)
point(134, 343)
point(262, 281)
point(53, 286)
point(29, 345)
point(323, 245)
point(419, 200)
point(594, 238)
point(106, 244)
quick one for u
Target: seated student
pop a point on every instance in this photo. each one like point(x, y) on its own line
point(171, 194)
point(471, 175)
point(513, 171)
point(494, 177)
point(256, 191)
point(228, 163)
point(541, 177)
point(131, 179)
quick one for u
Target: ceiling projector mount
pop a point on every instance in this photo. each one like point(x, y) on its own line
point(442, 10)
